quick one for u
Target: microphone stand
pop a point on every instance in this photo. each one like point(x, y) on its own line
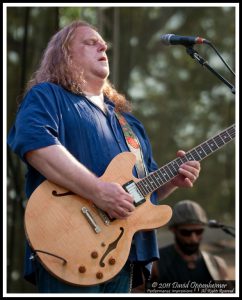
point(194, 54)
point(226, 229)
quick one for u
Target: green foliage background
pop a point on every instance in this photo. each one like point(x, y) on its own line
point(180, 103)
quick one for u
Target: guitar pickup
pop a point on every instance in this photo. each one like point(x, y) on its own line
point(132, 189)
point(103, 215)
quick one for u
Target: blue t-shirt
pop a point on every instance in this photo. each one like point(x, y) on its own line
point(50, 115)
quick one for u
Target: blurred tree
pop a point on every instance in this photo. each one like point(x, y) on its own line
point(24, 50)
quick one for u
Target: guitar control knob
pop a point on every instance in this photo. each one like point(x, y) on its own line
point(112, 261)
point(99, 275)
point(94, 254)
point(82, 269)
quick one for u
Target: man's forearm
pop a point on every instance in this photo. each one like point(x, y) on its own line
point(60, 167)
point(166, 190)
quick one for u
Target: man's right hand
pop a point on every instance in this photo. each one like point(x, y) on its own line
point(114, 200)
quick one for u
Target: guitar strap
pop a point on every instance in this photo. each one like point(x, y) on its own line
point(134, 145)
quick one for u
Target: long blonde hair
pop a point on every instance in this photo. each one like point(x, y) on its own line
point(56, 66)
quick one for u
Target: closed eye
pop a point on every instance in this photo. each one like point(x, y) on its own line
point(90, 42)
point(94, 42)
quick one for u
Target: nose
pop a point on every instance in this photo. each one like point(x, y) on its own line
point(194, 237)
point(102, 46)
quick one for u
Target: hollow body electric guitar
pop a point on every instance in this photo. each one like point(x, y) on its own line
point(77, 242)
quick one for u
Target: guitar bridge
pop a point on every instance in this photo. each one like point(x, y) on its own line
point(133, 190)
point(90, 219)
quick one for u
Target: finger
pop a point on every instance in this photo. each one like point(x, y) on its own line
point(180, 153)
point(192, 163)
point(125, 194)
point(188, 174)
point(190, 169)
point(129, 198)
point(194, 169)
point(128, 206)
point(114, 215)
point(120, 213)
point(189, 182)
point(124, 212)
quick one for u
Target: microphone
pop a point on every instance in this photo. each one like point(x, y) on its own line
point(214, 224)
point(172, 39)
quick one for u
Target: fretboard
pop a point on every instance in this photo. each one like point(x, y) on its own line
point(164, 174)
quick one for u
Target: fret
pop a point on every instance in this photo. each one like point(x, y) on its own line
point(184, 159)
point(212, 144)
point(206, 148)
point(189, 156)
point(231, 132)
point(141, 188)
point(165, 175)
point(151, 179)
point(201, 152)
point(173, 168)
point(168, 171)
point(156, 179)
point(219, 141)
point(151, 186)
point(209, 146)
point(179, 161)
point(175, 164)
point(161, 175)
point(225, 137)
point(146, 185)
point(163, 180)
point(195, 154)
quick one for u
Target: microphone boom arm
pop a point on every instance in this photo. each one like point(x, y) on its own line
point(225, 229)
point(194, 54)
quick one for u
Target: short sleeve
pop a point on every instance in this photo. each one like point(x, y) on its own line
point(36, 124)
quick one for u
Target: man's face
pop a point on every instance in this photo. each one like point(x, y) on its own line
point(88, 53)
point(188, 237)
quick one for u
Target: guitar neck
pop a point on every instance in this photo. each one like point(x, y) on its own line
point(164, 174)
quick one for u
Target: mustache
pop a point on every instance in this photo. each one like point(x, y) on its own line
point(188, 249)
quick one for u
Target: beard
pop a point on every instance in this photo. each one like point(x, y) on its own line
point(187, 249)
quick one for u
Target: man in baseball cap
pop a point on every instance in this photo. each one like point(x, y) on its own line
point(183, 260)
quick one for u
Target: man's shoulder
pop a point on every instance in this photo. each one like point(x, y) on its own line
point(46, 94)
point(48, 87)
point(52, 93)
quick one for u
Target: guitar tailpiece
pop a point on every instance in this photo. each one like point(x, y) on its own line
point(45, 252)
